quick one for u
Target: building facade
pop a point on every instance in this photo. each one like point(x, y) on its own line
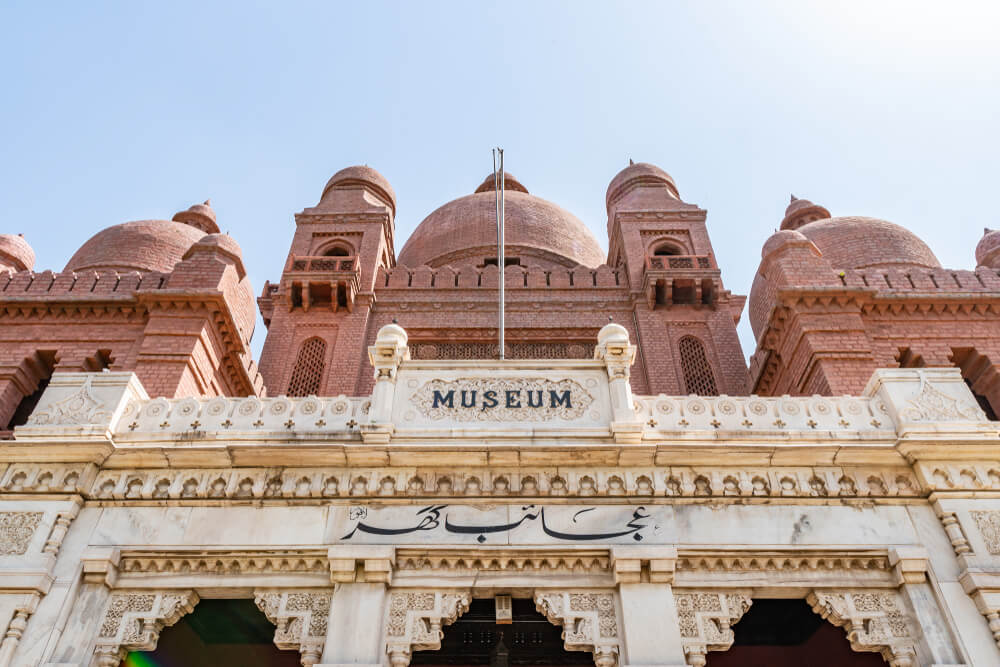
point(622, 489)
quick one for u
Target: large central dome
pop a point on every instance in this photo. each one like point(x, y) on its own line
point(536, 231)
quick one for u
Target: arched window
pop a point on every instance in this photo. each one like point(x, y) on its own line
point(698, 377)
point(667, 249)
point(338, 249)
point(308, 372)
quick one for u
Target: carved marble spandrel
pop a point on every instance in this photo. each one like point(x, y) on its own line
point(875, 620)
point(415, 618)
point(589, 620)
point(301, 618)
point(133, 620)
point(706, 619)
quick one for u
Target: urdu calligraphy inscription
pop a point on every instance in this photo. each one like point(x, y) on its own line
point(502, 399)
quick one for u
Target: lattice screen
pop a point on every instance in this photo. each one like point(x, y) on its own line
point(698, 377)
point(308, 371)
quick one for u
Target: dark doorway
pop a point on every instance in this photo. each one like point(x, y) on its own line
point(529, 640)
point(218, 633)
point(787, 633)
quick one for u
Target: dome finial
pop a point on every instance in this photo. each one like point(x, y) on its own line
point(630, 162)
point(199, 216)
point(801, 212)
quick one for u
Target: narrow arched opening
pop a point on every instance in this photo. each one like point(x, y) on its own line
point(476, 639)
point(218, 633)
point(787, 633)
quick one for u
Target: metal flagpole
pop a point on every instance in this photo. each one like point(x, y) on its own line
point(498, 186)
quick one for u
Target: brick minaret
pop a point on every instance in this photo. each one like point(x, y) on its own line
point(318, 314)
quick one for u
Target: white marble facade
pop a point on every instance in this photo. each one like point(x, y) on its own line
point(362, 526)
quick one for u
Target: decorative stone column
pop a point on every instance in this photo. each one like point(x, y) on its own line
point(618, 355)
point(385, 356)
point(85, 623)
point(650, 633)
point(355, 627)
point(24, 608)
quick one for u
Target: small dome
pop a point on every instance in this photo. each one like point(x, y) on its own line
point(510, 184)
point(144, 245)
point(362, 176)
point(780, 239)
point(199, 216)
point(15, 253)
point(988, 249)
point(801, 212)
point(639, 175)
point(465, 230)
point(856, 242)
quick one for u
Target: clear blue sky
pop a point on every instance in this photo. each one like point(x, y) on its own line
point(116, 112)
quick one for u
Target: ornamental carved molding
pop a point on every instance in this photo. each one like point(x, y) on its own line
point(245, 484)
point(133, 620)
point(589, 621)
point(300, 618)
point(988, 524)
point(930, 404)
point(415, 619)
point(874, 620)
point(80, 407)
point(706, 619)
point(515, 561)
point(489, 399)
point(47, 478)
point(233, 563)
point(16, 531)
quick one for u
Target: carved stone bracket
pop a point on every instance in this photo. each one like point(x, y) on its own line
point(984, 589)
point(416, 618)
point(301, 619)
point(133, 621)
point(589, 621)
point(875, 621)
point(706, 620)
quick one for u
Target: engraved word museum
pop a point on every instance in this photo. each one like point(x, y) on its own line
point(390, 484)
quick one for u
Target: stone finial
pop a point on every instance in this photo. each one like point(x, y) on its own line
point(200, 216)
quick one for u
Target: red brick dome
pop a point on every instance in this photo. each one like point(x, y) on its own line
point(144, 245)
point(362, 176)
point(855, 242)
point(15, 253)
point(465, 229)
point(639, 175)
point(988, 249)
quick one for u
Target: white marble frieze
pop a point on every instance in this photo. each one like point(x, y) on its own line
point(502, 524)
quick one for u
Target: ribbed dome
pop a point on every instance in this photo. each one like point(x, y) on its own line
point(144, 245)
point(15, 253)
point(856, 242)
point(466, 228)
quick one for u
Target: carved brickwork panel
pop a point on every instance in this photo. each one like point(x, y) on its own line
point(988, 523)
point(16, 531)
point(875, 620)
point(416, 618)
point(133, 620)
point(301, 619)
point(706, 620)
point(589, 621)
